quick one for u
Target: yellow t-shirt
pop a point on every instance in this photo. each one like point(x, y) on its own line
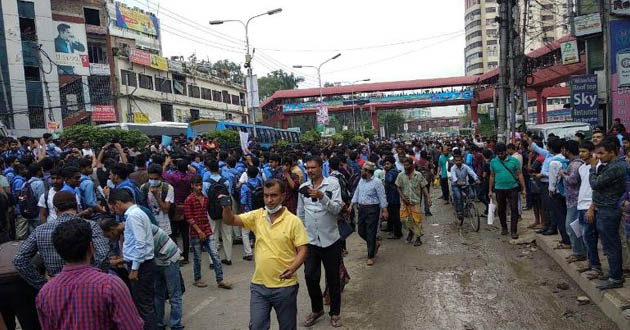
point(296, 170)
point(276, 245)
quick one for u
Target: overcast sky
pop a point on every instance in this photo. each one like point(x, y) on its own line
point(430, 33)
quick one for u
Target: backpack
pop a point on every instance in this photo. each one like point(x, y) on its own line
point(353, 183)
point(27, 201)
point(343, 186)
point(560, 184)
point(165, 187)
point(258, 196)
point(215, 210)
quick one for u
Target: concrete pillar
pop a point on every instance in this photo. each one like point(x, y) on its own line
point(284, 122)
point(473, 112)
point(544, 109)
point(539, 106)
point(374, 116)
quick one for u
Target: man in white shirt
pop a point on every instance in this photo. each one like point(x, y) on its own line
point(86, 150)
point(557, 200)
point(47, 209)
point(585, 199)
point(160, 196)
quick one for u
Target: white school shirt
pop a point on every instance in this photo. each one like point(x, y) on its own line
point(585, 194)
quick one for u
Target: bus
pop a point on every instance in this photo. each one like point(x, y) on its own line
point(266, 136)
point(153, 129)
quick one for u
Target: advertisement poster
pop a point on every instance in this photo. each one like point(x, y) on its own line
point(570, 54)
point(585, 106)
point(104, 113)
point(130, 19)
point(588, 24)
point(322, 114)
point(71, 53)
point(619, 50)
point(146, 59)
point(141, 118)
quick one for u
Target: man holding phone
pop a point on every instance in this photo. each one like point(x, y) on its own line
point(281, 248)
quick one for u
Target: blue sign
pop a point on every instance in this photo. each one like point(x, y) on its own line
point(423, 97)
point(585, 107)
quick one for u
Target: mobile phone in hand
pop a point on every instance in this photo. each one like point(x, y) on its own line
point(225, 201)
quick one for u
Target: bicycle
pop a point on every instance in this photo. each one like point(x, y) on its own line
point(469, 210)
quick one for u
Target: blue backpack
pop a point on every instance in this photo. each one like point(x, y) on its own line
point(560, 184)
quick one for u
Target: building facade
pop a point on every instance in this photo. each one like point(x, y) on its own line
point(547, 21)
point(419, 113)
point(481, 52)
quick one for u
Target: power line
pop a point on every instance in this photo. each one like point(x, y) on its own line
point(363, 47)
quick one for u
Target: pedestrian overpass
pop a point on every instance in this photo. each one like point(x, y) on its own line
point(544, 64)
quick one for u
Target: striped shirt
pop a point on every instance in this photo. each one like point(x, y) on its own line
point(370, 192)
point(166, 251)
point(81, 297)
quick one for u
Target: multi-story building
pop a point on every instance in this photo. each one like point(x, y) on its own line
point(547, 20)
point(419, 113)
point(435, 124)
point(29, 83)
point(482, 36)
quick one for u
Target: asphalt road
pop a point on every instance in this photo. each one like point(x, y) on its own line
point(457, 280)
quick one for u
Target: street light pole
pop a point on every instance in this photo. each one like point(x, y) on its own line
point(354, 120)
point(248, 57)
point(319, 73)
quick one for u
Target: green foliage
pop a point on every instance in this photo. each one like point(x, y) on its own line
point(486, 126)
point(282, 143)
point(348, 135)
point(311, 137)
point(226, 138)
point(358, 139)
point(275, 81)
point(369, 133)
point(100, 136)
point(393, 121)
point(337, 138)
point(227, 69)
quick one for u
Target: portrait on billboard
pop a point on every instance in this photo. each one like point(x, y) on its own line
point(71, 49)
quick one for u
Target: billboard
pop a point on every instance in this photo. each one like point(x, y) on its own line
point(584, 99)
point(134, 20)
point(144, 58)
point(422, 97)
point(588, 24)
point(620, 70)
point(104, 113)
point(620, 7)
point(71, 54)
point(570, 54)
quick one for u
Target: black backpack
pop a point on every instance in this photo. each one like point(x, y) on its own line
point(343, 185)
point(258, 196)
point(27, 201)
point(353, 183)
point(217, 188)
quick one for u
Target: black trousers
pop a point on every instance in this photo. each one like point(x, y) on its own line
point(331, 258)
point(181, 228)
point(445, 191)
point(142, 292)
point(368, 225)
point(18, 300)
point(505, 197)
point(393, 222)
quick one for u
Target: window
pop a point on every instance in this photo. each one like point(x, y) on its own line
point(490, 21)
point(225, 97)
point(493, 65)
point(235, 100)
point(146, 82)
point(31, 73)
point(100, 90)
point(474, 67)
point(476, 44)
point(36, 117)
point(179, 84)
point(163, 85)
point(128, 78)
point(473, 35)
point(547, 28)
point(491, 9)
point(97, 52)
point(491, 33)
point(547, 17)
point(92, 16)
point(216, 96)
point(193, 91)
point(194, 114)
point(228, 116)
point(473, 24)
point(491, 41)
point(242, 97)
point(167, 112)
point(206, 94)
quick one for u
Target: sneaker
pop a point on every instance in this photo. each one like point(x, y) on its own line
point(248, 258)
point(226, 262)
point(514, 236)
point(418, 242)
point(504, 231)
point(224, 285)
point(610, 284)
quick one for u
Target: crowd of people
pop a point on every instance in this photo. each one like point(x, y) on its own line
point(105, 232)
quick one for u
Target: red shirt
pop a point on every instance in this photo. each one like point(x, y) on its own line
point(197, 214)
point(81, 297)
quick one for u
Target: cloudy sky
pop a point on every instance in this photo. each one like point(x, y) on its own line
point(380, 40)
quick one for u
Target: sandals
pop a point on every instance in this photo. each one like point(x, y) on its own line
point(561, 246)
point(312, 318)
point(595, 274)
point(224, 285)
point(335, 321)
point(573, 258)
point(200, 284)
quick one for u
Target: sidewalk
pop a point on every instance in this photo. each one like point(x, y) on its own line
point(614, 303)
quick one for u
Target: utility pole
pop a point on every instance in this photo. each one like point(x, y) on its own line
point(504, 28)
point(571, 17)
point(607, 61)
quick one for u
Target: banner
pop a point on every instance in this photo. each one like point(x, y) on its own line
point(584, 103)
point(97, 69)
point(588, 24)
point(570, 53)
point(52, 126)
point(620, 7)
point(253, 101)
point(141, 57)
point(130, 19)
point(141, 118)
point(104, 113)
point(244, 136)
point(620, 70)
point(322, 114)
point(71, 54)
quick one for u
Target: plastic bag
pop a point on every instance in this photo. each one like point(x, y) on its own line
point(436, 182)
point(491, 210)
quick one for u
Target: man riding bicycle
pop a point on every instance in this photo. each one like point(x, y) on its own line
point(459, 181)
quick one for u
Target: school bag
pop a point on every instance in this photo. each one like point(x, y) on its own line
point(217, 188)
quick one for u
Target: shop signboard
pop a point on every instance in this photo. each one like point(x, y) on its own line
point(71, 56)
point(620, 7)
point(98, 69)
point(588, 24)
point(570, 54)
point(584, 104)
point(140, 118)
point(620, 70)
point(130, 19)
point(141, 57)
point(104, 113)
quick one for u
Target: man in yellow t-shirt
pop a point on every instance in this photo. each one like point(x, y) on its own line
point(281, 247)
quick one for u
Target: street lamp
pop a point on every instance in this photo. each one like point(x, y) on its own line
point(319, 73)
point(248, 56)
point(354, 120)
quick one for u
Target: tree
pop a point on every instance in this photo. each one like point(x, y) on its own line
point(392, 122)
point(99, 136)
point(227, 69)
point(275, 81)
